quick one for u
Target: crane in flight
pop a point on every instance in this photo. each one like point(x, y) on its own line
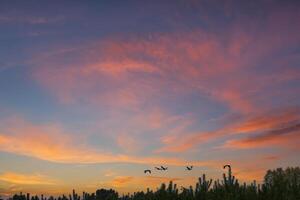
point(227, 166)
point(189, 168)
point(147, 171)
point(163, 168)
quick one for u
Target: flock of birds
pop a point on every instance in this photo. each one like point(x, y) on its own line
point(189, 168)
point(162, 168)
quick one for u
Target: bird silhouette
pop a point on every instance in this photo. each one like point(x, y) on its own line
point(157, 168)
point(227, 166)
point(163, 168)
point(147, 171)
point(189, 168)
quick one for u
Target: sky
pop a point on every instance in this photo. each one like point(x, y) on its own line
point(94, 92)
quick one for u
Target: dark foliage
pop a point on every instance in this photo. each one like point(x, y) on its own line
point(278, 184)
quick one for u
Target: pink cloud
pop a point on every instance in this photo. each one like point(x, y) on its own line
point(178, 62)
point(285, 137)
point(261, 123)
point(136, 72)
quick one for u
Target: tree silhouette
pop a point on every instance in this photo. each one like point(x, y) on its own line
point(279, 184)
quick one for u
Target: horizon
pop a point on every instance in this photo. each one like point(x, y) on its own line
point(94, 93)
point(74, 195)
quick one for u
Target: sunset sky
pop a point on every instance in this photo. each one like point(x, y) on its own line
point(94, 92)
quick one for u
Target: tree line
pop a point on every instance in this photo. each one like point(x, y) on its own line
point(279, 184)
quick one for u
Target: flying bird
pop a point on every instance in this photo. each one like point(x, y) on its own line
point(147, 171)
point(189, 168)
point(227, 166)
point(163, 168)
point(157, 168)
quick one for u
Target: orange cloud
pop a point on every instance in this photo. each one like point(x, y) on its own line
point(51, 143)
point(268, 120)
point(156, 181)
point(278, 137)
point(121, 180)
point(260, 123)
point(249, 175)
point(25, 179)
point(134, 183)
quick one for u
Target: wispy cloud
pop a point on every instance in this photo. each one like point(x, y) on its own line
point(136, 71)
point(121, 180)
point(26, 179)
point(284, 136)
point(260, 123)
point(51, 143)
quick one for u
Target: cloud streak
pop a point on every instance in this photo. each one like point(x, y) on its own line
point(25, 179)
point(49, 142)
point(261, 123)
point(139, 70)
point(279, 137)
